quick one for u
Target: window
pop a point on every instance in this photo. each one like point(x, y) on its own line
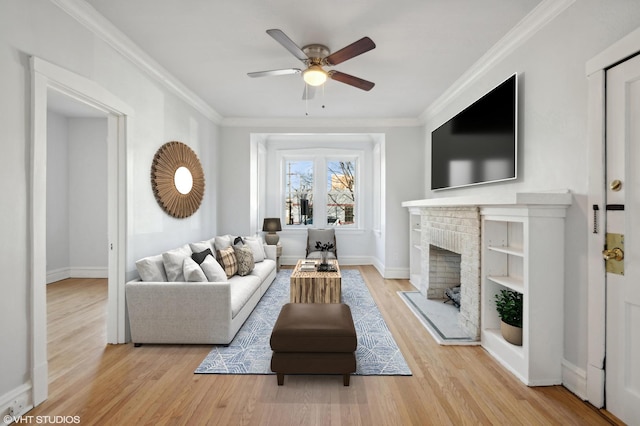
point(341, 199)
point(298, 192)
point(320, 180)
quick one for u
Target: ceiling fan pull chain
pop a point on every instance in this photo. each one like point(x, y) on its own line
point(306, 99)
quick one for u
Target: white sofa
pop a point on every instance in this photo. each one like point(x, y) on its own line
point(183, 312)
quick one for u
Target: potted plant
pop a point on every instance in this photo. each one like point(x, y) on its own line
point(509, 307)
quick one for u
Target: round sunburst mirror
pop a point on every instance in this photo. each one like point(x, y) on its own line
point(177, 179)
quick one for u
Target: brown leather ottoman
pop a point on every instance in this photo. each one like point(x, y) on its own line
point(314, 338)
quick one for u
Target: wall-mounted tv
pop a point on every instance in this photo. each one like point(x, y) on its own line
point(478, 145)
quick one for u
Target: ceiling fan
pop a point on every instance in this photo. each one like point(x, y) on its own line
point(317, 56)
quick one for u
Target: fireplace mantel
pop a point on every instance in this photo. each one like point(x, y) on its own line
point(556, 198)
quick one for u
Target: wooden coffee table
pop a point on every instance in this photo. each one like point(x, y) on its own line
point(314, 286)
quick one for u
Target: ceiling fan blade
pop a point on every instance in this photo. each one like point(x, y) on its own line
point(359, 47)
point(309, 92)
point(351, 80)
point(288, 44)
point(274, 72)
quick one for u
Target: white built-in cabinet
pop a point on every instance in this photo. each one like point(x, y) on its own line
point(523, 250)
point(415, 247)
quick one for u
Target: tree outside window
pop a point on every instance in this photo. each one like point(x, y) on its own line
point(298, 192)
point(341, 199)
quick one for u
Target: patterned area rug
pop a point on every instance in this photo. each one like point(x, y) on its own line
point(250, 353)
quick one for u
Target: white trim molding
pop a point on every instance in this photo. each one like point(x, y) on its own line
point(86, 15)
point(574, 379)
point(537, 19)
point(595, 70)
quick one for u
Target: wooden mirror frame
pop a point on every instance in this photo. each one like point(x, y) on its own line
point(169, 157)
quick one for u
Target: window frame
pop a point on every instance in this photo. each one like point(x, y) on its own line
point(320, 159)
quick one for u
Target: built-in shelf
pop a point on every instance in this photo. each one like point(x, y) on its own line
point(512, 283)
point(415, 247)
point(509, 236)
point(514, 251)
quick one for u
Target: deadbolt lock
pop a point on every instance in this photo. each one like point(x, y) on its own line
point(613, 254)
point(615, 185)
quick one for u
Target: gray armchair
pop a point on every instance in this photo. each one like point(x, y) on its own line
point(323, 236)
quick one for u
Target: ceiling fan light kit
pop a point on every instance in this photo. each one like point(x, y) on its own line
point(314, 75)
point(315, 56)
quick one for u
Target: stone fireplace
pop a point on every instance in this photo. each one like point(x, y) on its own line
point(450, 257)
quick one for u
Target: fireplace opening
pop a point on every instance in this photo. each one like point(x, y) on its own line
point(444, 274)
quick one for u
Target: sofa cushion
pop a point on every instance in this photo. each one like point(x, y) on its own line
point(228, 261)
point(212, 270)
point(192, 271)
point(151, 269)
point(264, 268)
point(244, 256)
point(173, 261)
point(201, 246)
point(222, 242)
point(255, 244)
point(242, 288)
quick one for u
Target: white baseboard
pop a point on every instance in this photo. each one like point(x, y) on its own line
point(387, 273)
point(77, 272)
point(574, 379)
point(344, 260)
point(20, 395)
point(396, 273)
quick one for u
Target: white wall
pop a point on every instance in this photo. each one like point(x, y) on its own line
point(76, 197)
point(552, 132)
point(88, 196)
point(37, 27)
point(57, 195)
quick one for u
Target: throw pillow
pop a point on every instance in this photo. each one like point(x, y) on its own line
point(222, 242)
point(192, 271)
point(244, 255)
point(173, 260)
point(151, 269)
point(228, 261)
point(238, 242)
point(199, 257)
point(213, 270)
point(255, 244)
point(200, 246)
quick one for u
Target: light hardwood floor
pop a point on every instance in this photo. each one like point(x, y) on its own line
point(154, 384)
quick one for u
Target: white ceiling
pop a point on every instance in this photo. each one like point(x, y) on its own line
point(423, 47)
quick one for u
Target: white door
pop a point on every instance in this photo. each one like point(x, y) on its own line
point(623, 291)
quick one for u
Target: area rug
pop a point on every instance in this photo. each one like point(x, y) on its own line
point(250, 353)
point(439, 318)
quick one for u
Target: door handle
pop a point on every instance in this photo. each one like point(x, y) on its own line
point(613, 254)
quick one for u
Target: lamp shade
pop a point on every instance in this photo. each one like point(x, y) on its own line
point(314, 75)
point(271, 224)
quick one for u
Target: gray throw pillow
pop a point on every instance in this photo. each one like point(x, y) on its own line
point(245, 260)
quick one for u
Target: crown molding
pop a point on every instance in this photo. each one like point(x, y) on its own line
point(86, 15)
point(307, 122)
point(537, 19)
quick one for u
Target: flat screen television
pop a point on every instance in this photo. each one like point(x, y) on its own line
point(478, 145)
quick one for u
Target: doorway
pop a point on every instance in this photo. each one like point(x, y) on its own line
point(46, 77)
point(612, 378)
point(77, 243)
